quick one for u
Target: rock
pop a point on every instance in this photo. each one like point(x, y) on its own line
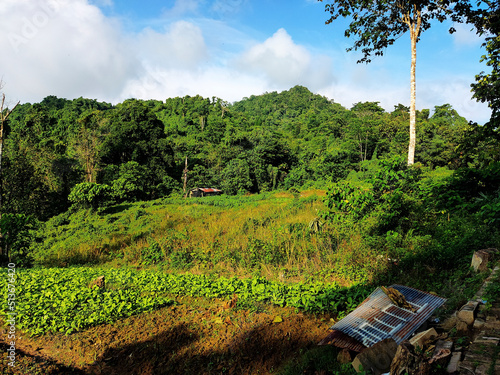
point(408, 361)
point(449, 323)
point(462, 328)
point(492, 322)
point(344, 356)
point(482, 370)
point(454, 362)
point(479, 324)
point(467, 313)
point(481, 258)
point(422, 338)
point(441, 352)
point(100, 282)
point(487, 340)
point(443, 345)
point(376, 358)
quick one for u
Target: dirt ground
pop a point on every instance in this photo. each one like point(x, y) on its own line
point(194, 336)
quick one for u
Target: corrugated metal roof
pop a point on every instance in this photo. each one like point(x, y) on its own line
point(377, 318)
point(341, 340)
point(210, 190)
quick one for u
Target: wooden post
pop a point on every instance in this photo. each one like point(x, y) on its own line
point(185, 176)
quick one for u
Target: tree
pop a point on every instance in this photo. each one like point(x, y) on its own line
point(134, 133)
point(91, 195)
point(487, 85)
point(16, 237)
point(4, 115)
point(87, 142)
point(363, 127)
point(479, 147)
point(236, 177)
point(132, 183)
point(377, 24)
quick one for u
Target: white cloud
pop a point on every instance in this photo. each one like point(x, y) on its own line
point(465, 36)
point(61, 47)
point(182, 45)
point(276, 64)
point(221, 82)
point(449, 90)
point(283, 63)
point(103, 3)
point(182, 7)
point(457, 92)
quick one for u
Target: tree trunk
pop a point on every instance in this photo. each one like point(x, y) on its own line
point(413, 98)
point(413, 21)
point(184, 177)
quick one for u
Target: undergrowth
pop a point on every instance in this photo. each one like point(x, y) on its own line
point(262, 235)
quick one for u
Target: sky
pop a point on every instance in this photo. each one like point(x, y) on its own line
point(112, 50)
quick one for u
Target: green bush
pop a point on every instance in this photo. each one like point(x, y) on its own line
point(152, 254)
point(348, 200)
point(131, 183)
point(17, 233)
point(236, 177)
point(168, 186)
point(91, 195)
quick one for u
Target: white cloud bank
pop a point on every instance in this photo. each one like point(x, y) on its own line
point(284, 64)
point(61, 47)
point(181, 46)
point(69, 48)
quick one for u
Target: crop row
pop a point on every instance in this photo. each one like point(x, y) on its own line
point(61, 300)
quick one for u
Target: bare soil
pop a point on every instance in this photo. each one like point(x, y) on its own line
point(194, 336)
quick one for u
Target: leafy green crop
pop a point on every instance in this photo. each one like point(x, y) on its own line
point(60, 300)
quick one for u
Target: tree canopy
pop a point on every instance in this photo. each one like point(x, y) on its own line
point(136, 150)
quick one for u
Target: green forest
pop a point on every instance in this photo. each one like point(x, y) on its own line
point(136, 150)
point(72, 169)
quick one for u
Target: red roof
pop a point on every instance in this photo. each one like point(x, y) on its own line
point(210, 190)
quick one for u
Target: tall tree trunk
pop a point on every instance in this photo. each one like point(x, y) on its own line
point(413, 21)
point(413, 99)
point(184, 177)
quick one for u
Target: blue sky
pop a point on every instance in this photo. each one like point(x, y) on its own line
point(112, 50)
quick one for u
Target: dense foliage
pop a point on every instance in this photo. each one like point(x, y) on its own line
point(136, 150)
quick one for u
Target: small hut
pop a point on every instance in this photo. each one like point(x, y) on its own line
point(204, 192)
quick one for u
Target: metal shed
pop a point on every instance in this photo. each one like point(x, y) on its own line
point(204, 192)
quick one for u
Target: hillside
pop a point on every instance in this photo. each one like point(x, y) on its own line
point(319, 207)
point(262, 143)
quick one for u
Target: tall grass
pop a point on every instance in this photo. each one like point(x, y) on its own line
point(265, 235)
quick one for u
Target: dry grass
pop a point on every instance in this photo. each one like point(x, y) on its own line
point(269, 237)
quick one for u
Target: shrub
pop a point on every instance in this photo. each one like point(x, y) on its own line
point(17, 233)
point(91, 195)
point(131, 183)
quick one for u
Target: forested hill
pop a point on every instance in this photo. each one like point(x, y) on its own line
point(136, 150)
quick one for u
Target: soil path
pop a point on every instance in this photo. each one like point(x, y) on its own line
point(192, 337)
